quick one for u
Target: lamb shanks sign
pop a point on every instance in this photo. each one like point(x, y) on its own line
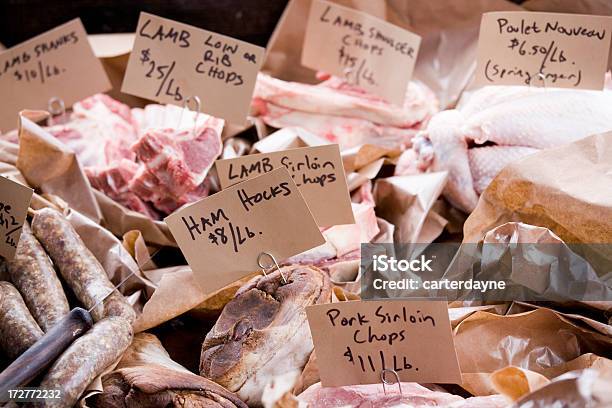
point(57, 64)
point(171, 62)
point(222, 235)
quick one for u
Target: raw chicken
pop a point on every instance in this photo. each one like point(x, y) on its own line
point(499, 125)
point(412, 395)
point(343, 113)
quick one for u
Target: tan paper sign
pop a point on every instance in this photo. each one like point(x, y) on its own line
point(355, 341)
point(369, 52)
point(14, 201)
point(317, 171)
point(543, 49)
point(222, 235)
point(171, 62)
point(59, 63)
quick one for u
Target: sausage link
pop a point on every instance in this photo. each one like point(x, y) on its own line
point(85, 359)
point(18, 329)
point(79, 267)
point(32, 272)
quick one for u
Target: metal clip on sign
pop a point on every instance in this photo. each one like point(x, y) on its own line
point(542, 77)
point(198, 110)
point(55, 107)
point(385, 382)
point(266, 268)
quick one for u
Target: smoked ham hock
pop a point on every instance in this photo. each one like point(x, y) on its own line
point(147, 377)
point(263, 332)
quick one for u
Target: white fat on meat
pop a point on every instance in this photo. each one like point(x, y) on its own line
point(151, 160)
point(413, 395)
point(342, 113)
point(332, 100)
point(294, 353)
point(341, 240)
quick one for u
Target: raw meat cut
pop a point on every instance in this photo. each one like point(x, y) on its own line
point(343, 113)
point(178, 160)
point(151, 160)
point(146, 376)
point(263, 332)
point(99, 131)
point(342, 241)
point(499, 125)
point(412, 395)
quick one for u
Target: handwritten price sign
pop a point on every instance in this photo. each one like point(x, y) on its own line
point(222, 235)
point(171, 62)
point(14, 201)
point(368, 52)
point(317, 171)
point(356, 341)
point(543, 49)
point(59, 63)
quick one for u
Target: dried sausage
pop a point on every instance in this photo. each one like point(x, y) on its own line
point(18, 329)
point(32, 273)
point(79, 267)
point(85, 359)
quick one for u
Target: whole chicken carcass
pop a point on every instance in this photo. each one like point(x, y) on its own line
point(343, 113)
point(263, 332)
point(499, 125)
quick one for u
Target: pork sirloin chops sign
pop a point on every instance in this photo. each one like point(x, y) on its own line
point(171, 62)
point(222, 235)
point(368, 52)
point(543, 49)
point(355, 341)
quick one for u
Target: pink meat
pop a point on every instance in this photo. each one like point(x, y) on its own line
point(151, 160)
point(412, 395)
point(343, 113)
point(179, 160)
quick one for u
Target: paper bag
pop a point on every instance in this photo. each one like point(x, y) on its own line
point(565, 189)
point(51, 167)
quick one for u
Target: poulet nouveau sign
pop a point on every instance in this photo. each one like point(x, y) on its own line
point(172, 62)
point(543, 49)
